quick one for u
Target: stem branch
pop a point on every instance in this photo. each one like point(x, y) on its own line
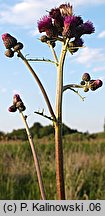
point(71, 86)
point(39, 83)
point(54, 53)
point(42, 60)
point(36, 162)
point(45, 116)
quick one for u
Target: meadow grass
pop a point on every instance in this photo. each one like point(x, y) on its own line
point(84, 166)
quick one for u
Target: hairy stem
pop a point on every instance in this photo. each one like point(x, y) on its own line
point(36, 162)
point(58, 127)
point(39, 83)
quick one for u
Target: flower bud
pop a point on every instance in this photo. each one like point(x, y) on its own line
point(91, 82)
point(9, 41)
point(44, 38)
point(53, 44)
point(99, 83)
point(16, 98)
point(92, 85)
point(82, 82)
point(20, 106)
point(12, 108)
point(18, 46)
point(86, 77)
point(95, 84)
point(9, 53)
point(86, 89)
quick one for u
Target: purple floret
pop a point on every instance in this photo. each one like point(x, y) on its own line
point(70, 25)
point(86, 28)
point(44, 24)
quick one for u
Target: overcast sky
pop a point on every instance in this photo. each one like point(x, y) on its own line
point(19, 18)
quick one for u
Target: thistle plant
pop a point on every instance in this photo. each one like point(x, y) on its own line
point(60, 25)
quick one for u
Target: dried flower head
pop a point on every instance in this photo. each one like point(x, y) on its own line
point(66, 9)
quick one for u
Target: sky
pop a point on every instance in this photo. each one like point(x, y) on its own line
point(19, 18)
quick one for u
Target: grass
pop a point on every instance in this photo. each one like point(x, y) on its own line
point(84, 166)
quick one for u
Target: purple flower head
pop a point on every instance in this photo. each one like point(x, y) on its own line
point(67, 23)
point(9, 41)
point(66, 10)
point(44, 24)
point(73, 21)
point(62, 22)
point(59, 26)
point(70, 24)
point(86, 28)
point(52, 32)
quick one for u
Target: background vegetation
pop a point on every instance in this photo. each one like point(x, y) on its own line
point(84, 164)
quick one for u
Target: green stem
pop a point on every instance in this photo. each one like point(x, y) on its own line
point(54, 53)
point(58, 126)
point(39, 83)
point(72, 86)
point(42, 60)
point(45, 116)
point(36, 162)
point(77, 93)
